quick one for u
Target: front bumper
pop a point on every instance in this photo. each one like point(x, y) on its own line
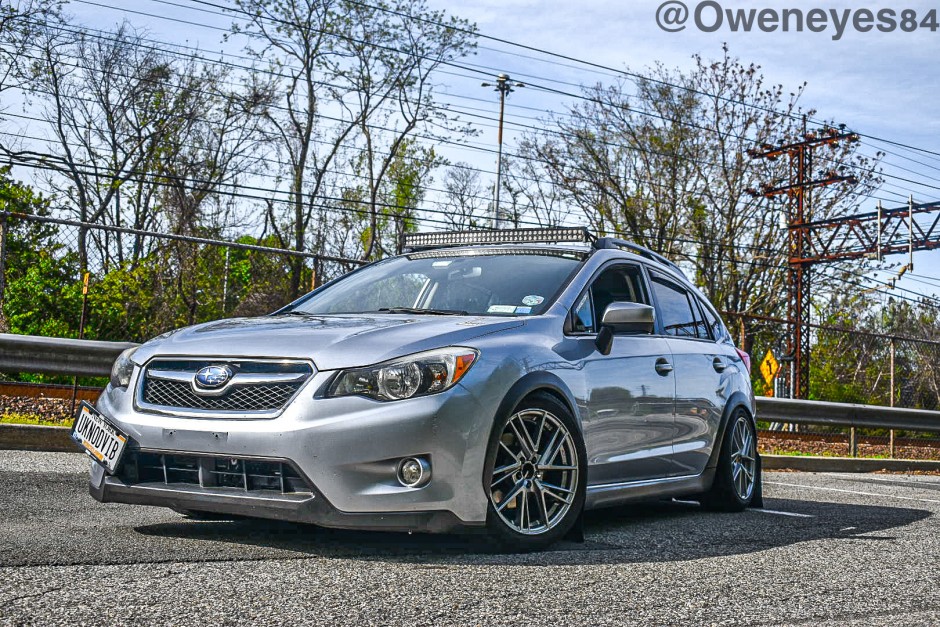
point(346, 449)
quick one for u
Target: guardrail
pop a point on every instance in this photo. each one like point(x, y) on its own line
point(795, 411)
point(58, 356)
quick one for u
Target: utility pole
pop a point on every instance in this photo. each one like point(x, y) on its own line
point(504, 86)
point(799, 295)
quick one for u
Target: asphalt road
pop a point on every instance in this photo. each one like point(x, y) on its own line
point(828, 550)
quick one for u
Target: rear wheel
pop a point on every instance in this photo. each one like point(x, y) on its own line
point(736, 475)
point(536, 474)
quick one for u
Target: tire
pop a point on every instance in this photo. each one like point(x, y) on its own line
point(534, 480)
point(737, 476)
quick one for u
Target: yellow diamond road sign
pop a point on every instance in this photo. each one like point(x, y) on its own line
point(769, 367)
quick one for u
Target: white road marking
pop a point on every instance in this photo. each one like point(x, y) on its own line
point(885, 496)
point(899, 479)
point(779, 513)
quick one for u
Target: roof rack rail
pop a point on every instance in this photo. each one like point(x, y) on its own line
point(613, 242)
point(551, 235)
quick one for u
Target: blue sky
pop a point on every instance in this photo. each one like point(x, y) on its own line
point(880, 84)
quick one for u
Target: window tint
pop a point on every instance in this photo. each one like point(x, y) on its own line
point(679, 316)
point(713, 323)
point(701, 327)
point(584, 315)
point(617, 284)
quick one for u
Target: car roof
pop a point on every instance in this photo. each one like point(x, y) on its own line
point(584, 249)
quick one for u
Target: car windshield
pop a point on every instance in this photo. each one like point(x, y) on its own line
point(449, 282)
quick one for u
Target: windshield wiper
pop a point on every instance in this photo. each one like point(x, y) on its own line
point(430, 312)
point(295, 312)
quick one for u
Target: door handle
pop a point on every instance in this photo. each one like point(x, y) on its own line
point(663, 367)
point(719, 365)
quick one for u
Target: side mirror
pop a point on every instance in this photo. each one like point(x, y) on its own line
point(624, 317)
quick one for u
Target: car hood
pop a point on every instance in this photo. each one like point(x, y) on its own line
point(332, 342)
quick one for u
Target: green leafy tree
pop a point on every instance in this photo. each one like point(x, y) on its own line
point(40, 293)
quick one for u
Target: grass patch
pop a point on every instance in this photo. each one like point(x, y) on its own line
point(803, 453)
point(31, 419)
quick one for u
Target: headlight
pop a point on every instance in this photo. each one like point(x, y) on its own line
point(416, 375)
point(123, 368)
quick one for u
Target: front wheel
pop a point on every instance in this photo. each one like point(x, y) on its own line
point(535, 475)
point(736, 477)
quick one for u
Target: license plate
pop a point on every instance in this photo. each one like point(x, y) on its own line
point(98, 437)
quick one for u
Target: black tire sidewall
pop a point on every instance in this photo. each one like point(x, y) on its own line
point(723, 496)
point(508, 539)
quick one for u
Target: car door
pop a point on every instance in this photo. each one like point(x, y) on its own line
point(699, 364)
point(630, 392)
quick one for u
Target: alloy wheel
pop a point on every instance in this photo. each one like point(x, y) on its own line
point(535, 475)
point(743, 459)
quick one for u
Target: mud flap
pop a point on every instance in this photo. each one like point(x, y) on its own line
point(757, 501)
point(576, 533)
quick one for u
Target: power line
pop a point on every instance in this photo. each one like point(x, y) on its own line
point(530, 127)
point(613, 71)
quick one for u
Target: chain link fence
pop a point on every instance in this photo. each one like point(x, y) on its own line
point(847, 366)
point(62, 278)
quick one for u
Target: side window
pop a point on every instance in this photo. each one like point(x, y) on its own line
point(620, 283)
point(713, 323)
point(584, 315)
point(701, 326)
point(679, 316)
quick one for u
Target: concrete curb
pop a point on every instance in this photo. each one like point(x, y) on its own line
point(845, 464)
point(36, 438)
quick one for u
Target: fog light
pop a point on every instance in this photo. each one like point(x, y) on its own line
point(414, 472)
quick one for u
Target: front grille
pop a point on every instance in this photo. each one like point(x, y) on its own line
point(237, 474)
point(245, 398)
point(256, 387)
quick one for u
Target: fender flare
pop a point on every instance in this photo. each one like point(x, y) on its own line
point(737, 400)
point(742, 401)
point(529, 383)
point(534, 382)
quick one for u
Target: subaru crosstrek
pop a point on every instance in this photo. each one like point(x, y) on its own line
point(498, 380)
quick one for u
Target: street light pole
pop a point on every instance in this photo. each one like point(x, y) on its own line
point(504, 86)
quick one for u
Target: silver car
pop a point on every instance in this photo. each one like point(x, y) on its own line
point(503, 381)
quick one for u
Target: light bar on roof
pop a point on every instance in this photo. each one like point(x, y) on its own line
point(415, 241)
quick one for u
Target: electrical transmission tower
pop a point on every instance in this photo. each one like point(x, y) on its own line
point(864, 235)
point(800, 156)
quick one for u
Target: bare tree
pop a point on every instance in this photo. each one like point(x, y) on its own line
point(663, 161)
point(20, 23)
point(465, 198)
point(356, 87)
point(628, 166)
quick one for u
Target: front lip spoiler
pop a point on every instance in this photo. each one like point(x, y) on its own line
point(301, 508)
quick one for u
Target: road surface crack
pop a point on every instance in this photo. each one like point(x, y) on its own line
point(21, 597)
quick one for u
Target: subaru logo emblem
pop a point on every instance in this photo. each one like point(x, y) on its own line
point(213, 376)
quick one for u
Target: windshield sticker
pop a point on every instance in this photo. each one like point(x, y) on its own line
point(532, 300)
point(523, 310)
point(501, 309)
point(442, 264)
